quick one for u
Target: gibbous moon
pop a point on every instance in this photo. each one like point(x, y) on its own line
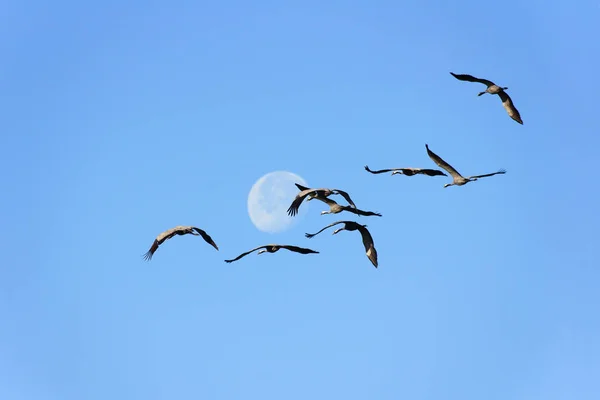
point(269, 199)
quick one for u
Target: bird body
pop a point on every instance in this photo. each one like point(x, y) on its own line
point(310, 193)
point(458, 179)
point(367, 239)
point(407, 171)
point(272, 248)
point(335, 208)
point(178, 230)
point(492, 88)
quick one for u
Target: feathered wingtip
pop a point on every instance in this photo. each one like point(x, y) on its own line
point(147, 256)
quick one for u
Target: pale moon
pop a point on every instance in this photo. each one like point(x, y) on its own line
point(269, 199)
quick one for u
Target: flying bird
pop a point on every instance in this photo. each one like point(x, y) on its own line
point(458, 179)
point(322, 192)
point(408, 171)
point(335, 208)
point(364, 232)
point(492, 88)
point(178, 230)
point(272, 248)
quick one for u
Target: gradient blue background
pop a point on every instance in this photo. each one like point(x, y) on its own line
point(123, 119)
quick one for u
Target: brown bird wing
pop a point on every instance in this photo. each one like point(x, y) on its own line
point(169, 233)
point(161, 238)
point(206, 237)
point(510, 107)
point(301, 250)
point(441, 163)
point(471, 78)
point(310, 235)
point(248, 252)
point(293, 209)
point(369, 244)
point(502, 171)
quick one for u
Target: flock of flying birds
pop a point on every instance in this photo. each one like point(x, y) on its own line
point(323, 194)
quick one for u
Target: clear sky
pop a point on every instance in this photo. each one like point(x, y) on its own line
point(123, 119)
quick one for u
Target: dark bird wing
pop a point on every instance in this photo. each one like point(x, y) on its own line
point(150, 253)
point(429, 172)
point(361, 212)
point(161, 238)
point(293, 209)
point(441, 163)
point(310, 235)
point(248, 252)
point(423, 171)
point(471, 78)
point(301, 250)
point(346, 196)
point(510, 107)
point(206, 237)
point(300, 187)
point(369, 244)
point(381, 171)
point(502, 171)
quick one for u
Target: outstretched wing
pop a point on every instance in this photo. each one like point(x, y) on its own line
point(300, 187)
point(361, 212)
point(510, 107)
point(310, 235)
point(161, 238)
point(381, 171)
point(301, 250)
point(246, 253)
point(471, 78)
point(441, 163)
point(367, 240)
point(206, 237)
point(346, 196)
point(431, 172)
point(502, 171)
point(293, 209)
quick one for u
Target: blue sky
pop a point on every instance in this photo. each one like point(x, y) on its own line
point(122, 120)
